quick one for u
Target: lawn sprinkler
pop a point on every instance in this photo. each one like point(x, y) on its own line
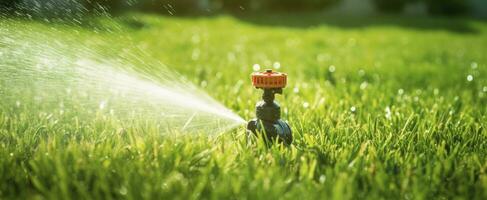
point(268, 122)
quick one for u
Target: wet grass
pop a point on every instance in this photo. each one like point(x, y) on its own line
point(380, 111)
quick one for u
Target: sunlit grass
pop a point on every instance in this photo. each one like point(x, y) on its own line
point(380, 111)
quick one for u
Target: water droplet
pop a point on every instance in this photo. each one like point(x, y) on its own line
point(363, 85)
point(123, 190)
point(388, 112)
point(276, 65)
point(296, 90)
point(353, 109)
point(469, 78)
point(102, 105)
point(256, 67)
point(196, 54)
point(322, 57)
point(331, 68)
point(400, 91)
point(436, 91)
point(195, 39)
point(322, 101)
point(11, 154)
point(305, 104)
point(203, 84)
point(474, 65)
point(361, 72)
point(322, 179)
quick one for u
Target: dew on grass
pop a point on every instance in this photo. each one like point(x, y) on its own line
point(219, 75)
point(353, 109)
point(323, 57)
point(296, 89)
point(474, 65)
point(469, 78)
point(361, 72)
point(351, 164)
point(436, 91)
point(256, 67)
point(322, 178)
point(123, 190)
point(322, 101)
point(195, 39)
point(102, 105)
point(196, 54)
point(203, 84)
point(363, 85)
point(400, 91)
point(388, 112)
point(305, 105)
point(331, 68)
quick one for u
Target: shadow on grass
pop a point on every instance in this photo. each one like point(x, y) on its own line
point(310, 20)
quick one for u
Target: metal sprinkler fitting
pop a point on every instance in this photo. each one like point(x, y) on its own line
point(268, 122)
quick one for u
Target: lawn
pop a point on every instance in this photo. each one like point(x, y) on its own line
point(380, 107)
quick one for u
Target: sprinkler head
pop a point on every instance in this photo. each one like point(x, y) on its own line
point(268, 123)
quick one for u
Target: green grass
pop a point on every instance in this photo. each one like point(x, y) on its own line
point(432, 144)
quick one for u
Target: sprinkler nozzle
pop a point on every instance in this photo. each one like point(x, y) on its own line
point(268, 122)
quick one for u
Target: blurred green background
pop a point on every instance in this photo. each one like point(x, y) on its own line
point(184, 7)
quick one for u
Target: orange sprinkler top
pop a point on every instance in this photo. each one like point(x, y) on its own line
point(269, 79)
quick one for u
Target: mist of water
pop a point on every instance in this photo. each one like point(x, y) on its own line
point(51, 72)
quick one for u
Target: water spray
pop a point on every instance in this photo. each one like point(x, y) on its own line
point(268, 112)
point(65, 77)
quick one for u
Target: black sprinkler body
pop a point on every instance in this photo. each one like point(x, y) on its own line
point(268, 112)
